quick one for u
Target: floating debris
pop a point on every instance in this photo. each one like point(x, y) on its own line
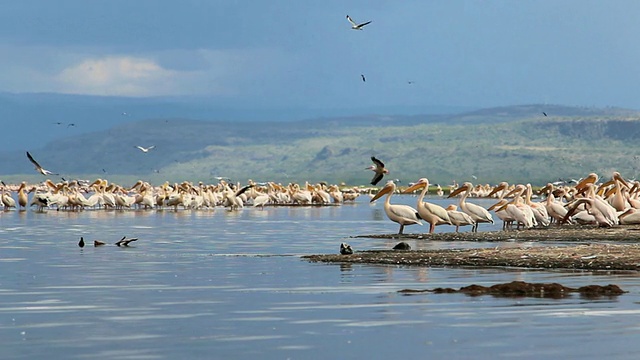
point(525, 289)
point(125, 242)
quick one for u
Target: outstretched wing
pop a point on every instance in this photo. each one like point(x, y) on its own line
point(351, 21)
point(377, 162)
point(243, 189)
point(33, 161)
point(363, 24)
point(151, 147)
point(376, 178)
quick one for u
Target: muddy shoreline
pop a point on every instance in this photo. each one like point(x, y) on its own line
point(610, 249)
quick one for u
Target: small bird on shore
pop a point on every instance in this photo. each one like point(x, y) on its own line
point(345, 249)
point(125, 242)
point(39, 168)
point(144, 149)
point(356, 26)
point(402, 246)
point(81, 242)
point(379, 169)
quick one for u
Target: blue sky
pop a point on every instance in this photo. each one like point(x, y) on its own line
point(304, 54)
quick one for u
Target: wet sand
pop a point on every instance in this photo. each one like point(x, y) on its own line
point(584, 248)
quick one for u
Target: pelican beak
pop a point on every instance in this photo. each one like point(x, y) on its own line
point(414, 188)
point(618, 177)
point(382, 191)
point(510, 193)
point(501, 204)
point(548, 187)
point(496, 189)
point(458, 191)
point(591, 179)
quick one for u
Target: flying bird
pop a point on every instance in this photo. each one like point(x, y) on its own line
point(356, 26)
point(71, 124)
point(143, 149)
point(39, 168)
point(363, 78)
point(379, 169)
point(544, 113)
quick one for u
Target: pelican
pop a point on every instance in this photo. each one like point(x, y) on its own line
point(23, 198)
point(379, 169)
point(402, 214)
point(477, 212)
point(356, 26)
point(458, 218)
point(39, 168)
point(431, 213)
point(144, 149)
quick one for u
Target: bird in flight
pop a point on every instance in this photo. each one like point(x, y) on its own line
point(356, 26)
point(71, 124)
point(544, 113)
point(379, 169)
point(143, 149)
point(363, 78)
point(39, 168)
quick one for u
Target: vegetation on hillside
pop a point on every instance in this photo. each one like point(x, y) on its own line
point(516, 144)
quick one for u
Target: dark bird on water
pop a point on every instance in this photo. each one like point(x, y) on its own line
point(98, 243)
point(125, 242)
point(39, 168)
point(379, 170)
point(345, 249)
point(81, 243)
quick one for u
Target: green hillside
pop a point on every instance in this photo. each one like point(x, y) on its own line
point(516, 144)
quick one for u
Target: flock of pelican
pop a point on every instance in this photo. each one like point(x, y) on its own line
point(101, 194)
point(614, 202)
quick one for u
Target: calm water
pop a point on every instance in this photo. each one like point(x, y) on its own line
point(231, 285)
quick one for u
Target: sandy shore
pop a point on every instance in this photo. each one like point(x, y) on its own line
point(586, 248)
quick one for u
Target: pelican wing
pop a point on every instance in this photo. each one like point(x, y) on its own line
point(33, 161)
point(351, 21)
point(377, 162)
point(243, 189)
point(376, 178)
point(406, 213)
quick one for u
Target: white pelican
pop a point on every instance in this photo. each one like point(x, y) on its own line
point(379, 169)
point(144, 149)
point(555, 209)
point(39, 168)
point(401, 214)
point(477, 212)
point(431, 213)
point(458, 218)
point(630, 217)
point(356, 26)
point(507, 219)
point(23, 198)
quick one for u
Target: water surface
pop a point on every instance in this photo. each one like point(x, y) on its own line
point(230, 285)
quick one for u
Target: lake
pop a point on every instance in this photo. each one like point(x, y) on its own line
point(217, 284)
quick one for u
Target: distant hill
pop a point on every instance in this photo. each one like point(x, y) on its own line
point(516, 144)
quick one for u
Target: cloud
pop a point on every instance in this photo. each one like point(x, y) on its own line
point(117, 75)
point(91, 71)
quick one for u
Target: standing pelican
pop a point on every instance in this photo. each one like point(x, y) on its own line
point(401, 214)
point(477, 212)
point(458, 218)
point(431, 213)
point(356, 26)
point(379, 169)
point(39, 168)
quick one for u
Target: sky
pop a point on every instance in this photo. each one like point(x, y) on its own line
point(304, 54)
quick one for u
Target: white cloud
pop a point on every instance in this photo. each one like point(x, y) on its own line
point(89, 71)
point(117, 75)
